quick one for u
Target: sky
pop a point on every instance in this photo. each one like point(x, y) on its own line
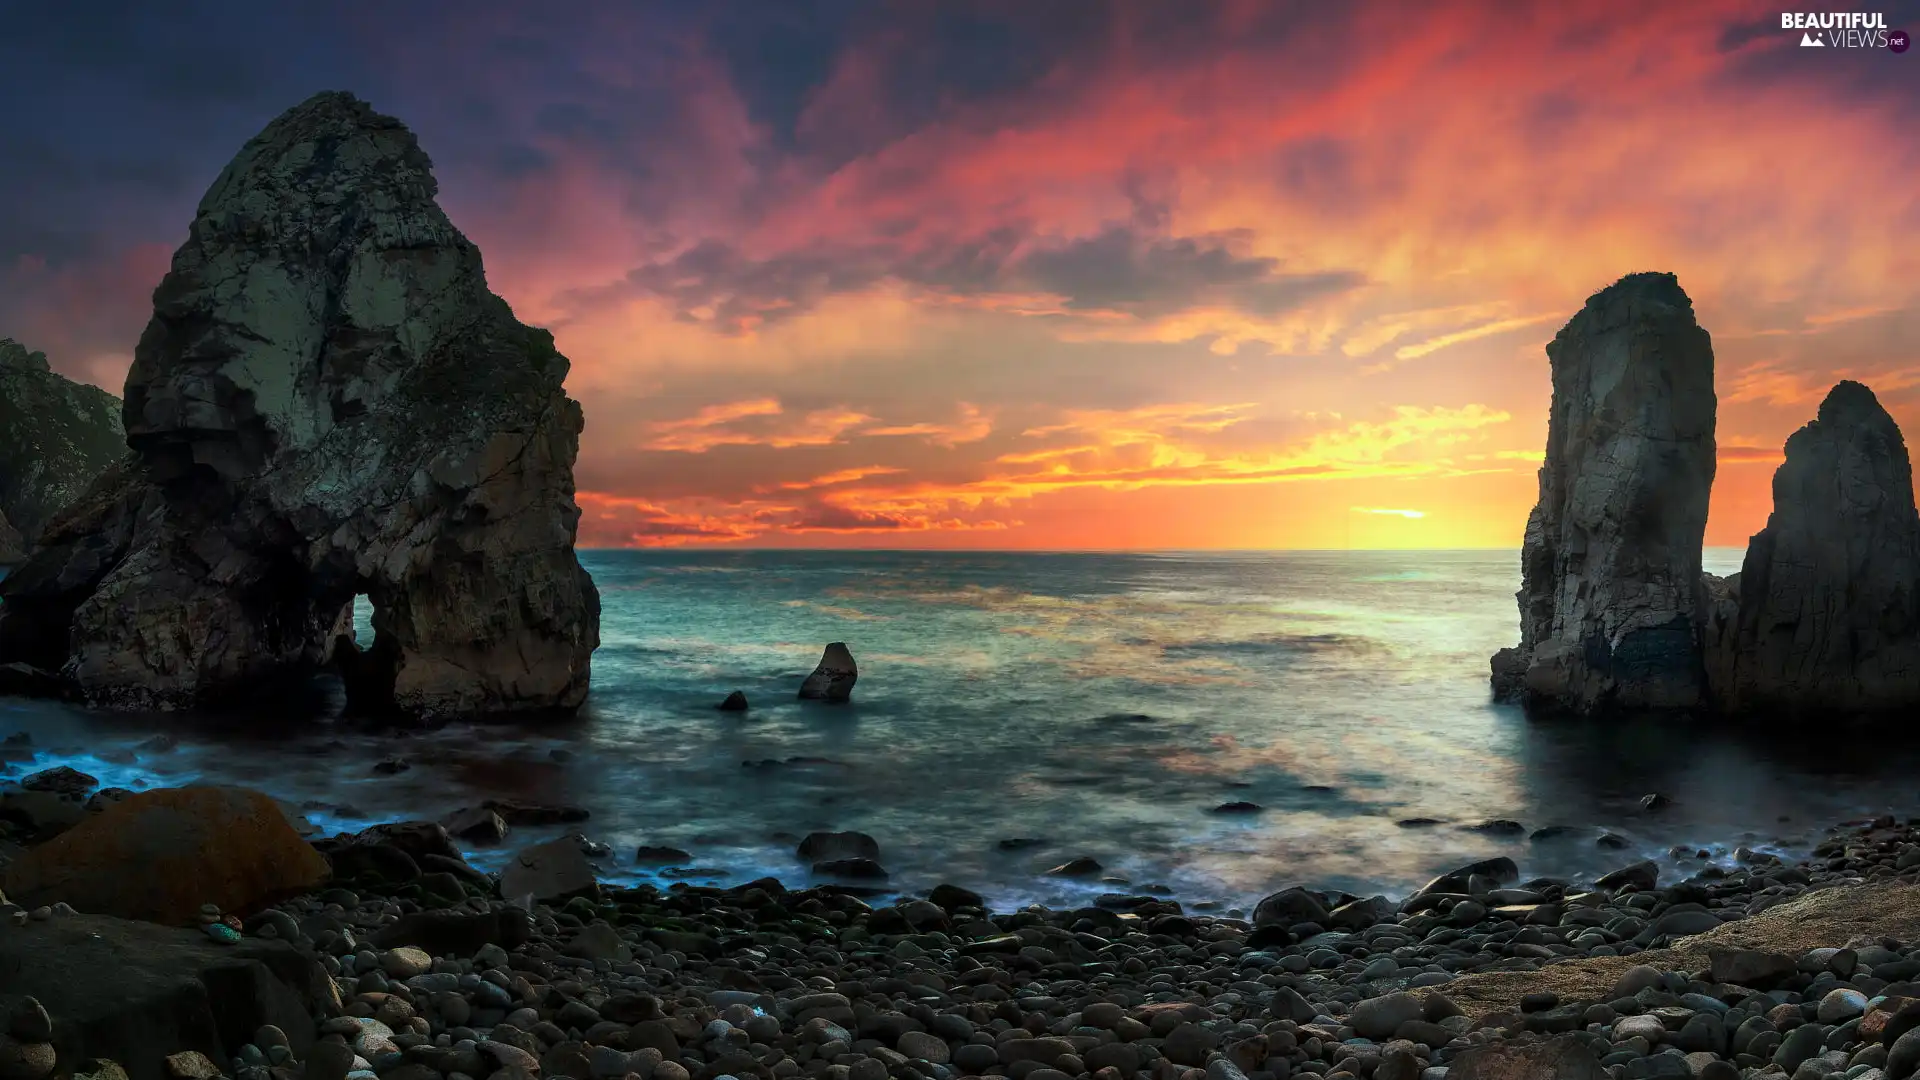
point(1063, 275)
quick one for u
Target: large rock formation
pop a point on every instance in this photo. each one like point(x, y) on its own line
point(13, 546)
point(56, 437)
point(1612, 604)
point(1824, 615)
point(327, 401)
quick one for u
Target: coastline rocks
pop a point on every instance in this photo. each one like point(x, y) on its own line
point(833, 679)
point(1562, 1058)
point(554, 870)
point(477, 824)
point(56, 437)
point(327, 402)
point(734, 702)
point(160, 855)
point(133, 992)
point(1612, 604)
point(1824, 615)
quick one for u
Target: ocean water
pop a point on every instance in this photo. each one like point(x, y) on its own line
point(1088, 704)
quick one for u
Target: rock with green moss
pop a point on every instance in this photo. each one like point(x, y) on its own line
point(56, 437)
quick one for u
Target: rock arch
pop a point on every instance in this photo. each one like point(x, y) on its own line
point(327, 401)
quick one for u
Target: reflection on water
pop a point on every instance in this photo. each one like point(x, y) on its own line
point(1104, 704)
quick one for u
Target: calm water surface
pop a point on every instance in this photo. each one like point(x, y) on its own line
point(1098, 704)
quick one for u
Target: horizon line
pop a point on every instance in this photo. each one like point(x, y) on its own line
point(1080, 551)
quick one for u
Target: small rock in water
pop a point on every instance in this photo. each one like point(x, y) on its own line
point(833, 678)
point(592, 849)
point(658, 855)
point(478, 824)
point(1418, 822)
point(737, 701)
point(1498, 827)
point(61, 780)
point(1612, 842)
point(1655, 801)
point(1081, 867)
point(391, 766)
point(861, 869)
point(826, 846)
point(222, 933)
point(1237, 808)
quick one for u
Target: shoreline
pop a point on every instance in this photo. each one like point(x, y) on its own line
point(759, 980)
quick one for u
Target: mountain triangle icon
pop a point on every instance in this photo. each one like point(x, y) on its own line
point(1809, 40)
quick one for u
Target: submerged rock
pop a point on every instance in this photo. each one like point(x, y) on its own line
point(1825, 612)
point(833, 679)
point(327, 402)
point(734, 702)
point(56, 437)
point(1612, 604)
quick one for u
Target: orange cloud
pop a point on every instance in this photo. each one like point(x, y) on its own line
point(972, 426)
point(718, 425)
point(1358, 249)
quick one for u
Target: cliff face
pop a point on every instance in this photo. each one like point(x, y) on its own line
point(1824, 615)
point(56, 437)
point(13, 546)
point(1611, 603)
point(327, 401)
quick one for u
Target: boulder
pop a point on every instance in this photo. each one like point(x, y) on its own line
point(328, 401)
point(56, 437)
point(1824, 615)
point(833, 678)
point(1289, 907)
point(823, 846)
point(478, 825)
point(159, 855)
point(134, 992)
point(555, 870)
point(1612, 604)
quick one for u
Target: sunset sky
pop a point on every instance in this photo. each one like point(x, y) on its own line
point(1042, 274)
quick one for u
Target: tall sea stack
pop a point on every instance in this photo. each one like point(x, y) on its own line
point(1824, 616)
point(327, 402)
point(1612, 606)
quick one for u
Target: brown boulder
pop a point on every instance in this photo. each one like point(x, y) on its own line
point(160, 855)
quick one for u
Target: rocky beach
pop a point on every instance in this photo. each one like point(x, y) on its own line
point(205, 937)
point(329, 406)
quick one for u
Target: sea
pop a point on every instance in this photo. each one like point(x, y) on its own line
point(1018, 710)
